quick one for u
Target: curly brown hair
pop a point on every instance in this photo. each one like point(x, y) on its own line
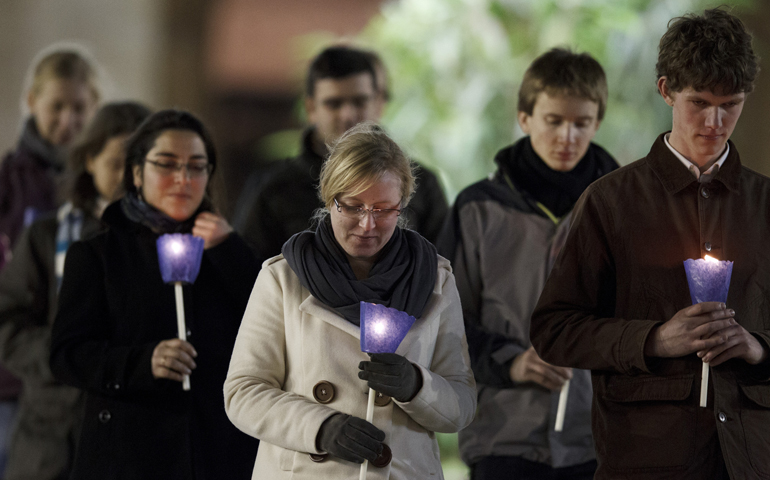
point(708, 52)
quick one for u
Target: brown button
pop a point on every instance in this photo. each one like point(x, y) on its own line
point(318, 457)
point(323, 392)
point(380, 399)
point(385, 457)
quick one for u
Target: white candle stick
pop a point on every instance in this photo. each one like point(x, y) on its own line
point(704, 384)
point(561, 410)
point(369, 418)
point(181, 325)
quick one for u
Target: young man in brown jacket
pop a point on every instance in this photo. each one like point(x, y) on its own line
point(617, 301)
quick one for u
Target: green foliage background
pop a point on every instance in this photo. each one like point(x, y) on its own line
point(455, 67)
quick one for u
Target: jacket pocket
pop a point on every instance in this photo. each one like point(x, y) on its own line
point(755, 417)
point(646, 422)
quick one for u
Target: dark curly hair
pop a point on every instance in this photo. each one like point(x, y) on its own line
point(708, 52)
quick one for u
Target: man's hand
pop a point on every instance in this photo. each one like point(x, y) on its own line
point(696, 328)
point(739, 343)
point(529, 367)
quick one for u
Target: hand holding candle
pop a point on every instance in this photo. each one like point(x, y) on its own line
point(709, 281)
point(382, 330)
point(179, 257)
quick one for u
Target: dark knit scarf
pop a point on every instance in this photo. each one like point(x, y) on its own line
point(139, 211)
point(403, 276)
point(557, 191)
point(32, 142)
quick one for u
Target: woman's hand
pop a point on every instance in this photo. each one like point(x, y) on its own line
point(212, 228)
point(350, 438)
point(391, 374)
point(172, 359)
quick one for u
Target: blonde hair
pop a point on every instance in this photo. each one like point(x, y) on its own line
point(63, 62)
point(358, 159)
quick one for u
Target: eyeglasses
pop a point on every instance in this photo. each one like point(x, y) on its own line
point(359, 212)
point(194, 170)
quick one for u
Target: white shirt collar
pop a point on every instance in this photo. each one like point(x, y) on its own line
point(713, 169)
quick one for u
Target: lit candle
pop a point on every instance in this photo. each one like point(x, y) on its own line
point(709, 281)
point(382, 330)
point(179, 257)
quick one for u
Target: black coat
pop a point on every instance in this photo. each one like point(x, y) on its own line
point(283, 203)
point(113, 310)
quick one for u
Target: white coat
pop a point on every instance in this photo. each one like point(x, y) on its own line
point(289, 341)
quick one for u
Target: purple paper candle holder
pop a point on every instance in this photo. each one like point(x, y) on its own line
point(383, 328)
point(709, 279)
point(179, 256)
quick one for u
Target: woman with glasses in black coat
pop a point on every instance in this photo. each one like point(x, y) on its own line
point(115, 333)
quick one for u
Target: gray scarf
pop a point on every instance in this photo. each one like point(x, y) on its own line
point(403, 276)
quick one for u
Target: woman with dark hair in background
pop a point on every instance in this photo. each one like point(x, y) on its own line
point(115, 333)
point(43, 439)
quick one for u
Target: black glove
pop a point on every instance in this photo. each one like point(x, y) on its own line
point(350, 438)
point(391, 374)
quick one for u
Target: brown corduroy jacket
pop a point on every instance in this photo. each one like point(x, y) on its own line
point(620, 274)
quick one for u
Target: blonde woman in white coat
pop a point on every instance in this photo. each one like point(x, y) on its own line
point(298, 380)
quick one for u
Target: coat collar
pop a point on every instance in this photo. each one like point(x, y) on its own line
point(675, 177)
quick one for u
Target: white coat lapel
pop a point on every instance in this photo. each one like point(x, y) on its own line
point(312, 306)
point(422, 326)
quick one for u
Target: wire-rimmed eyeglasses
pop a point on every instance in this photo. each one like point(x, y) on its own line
point(359, 212)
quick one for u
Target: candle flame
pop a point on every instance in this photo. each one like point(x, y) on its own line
point(177, 248)
point(709, 258)
point(380, 328)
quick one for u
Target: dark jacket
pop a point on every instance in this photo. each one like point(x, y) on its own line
point(502, 244)
point(288, 197)
point(620, 274)
point(113, 311)
point(43, 439)
point(29, 179)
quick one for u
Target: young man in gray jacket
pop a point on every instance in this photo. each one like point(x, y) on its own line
point(503, 235)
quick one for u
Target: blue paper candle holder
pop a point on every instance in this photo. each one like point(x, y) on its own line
point(383, 328)
point(179, 256)
point(708, 279)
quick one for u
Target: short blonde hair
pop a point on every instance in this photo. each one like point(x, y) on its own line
point(360, 157)
point(63, 62)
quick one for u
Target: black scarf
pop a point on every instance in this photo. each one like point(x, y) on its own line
point(32, 142)
point(557, 191)
point(403, 276)
point(139, 211)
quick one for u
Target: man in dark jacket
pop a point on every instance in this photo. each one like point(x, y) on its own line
point(503, 236)
point(617, 301)
point(345, 86)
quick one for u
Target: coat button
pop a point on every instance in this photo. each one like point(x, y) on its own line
point(707, 246)
point(317, 457)
point(704, 193)
point(385, 457)
point(380, 399)
point(722, 417)
point(323, 392)
point(105, 416)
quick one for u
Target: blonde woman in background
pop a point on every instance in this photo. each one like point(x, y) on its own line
point(61, 95)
